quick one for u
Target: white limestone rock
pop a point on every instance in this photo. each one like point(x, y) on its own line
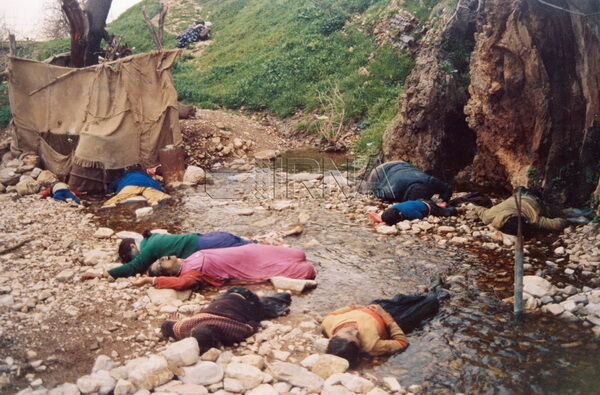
point(182, 353)
point(202, 373)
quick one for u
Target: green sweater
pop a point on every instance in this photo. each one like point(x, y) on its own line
point(154, 247)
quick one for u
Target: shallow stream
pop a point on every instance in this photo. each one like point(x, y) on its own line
point(471, 346)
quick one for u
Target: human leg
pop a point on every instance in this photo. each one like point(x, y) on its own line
point(125, 193)
point(438, 211)
point(409, 311)
point(154, 196)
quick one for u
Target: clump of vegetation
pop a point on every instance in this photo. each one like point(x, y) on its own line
point(5, 114)
point(131, 26)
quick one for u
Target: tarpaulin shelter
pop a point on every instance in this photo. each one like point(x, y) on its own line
point(108, 116)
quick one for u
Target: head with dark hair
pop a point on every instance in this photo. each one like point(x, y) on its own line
point(147, 233)
point(207, 338)
point(344, 348)
point(511, 226)
point(127, 250)
point(167, 329)
point(391, 216)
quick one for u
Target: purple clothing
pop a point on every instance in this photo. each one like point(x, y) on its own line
point(250, 262)
point(220, 240)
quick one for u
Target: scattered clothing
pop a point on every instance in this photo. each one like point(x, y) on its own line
point(400, 181)
point(253, 262)
point(376, 336)
point(159, 245)
point(409, 311)
point(531, 209)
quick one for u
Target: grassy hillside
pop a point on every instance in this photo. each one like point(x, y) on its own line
point(283, 56)
point(279, 55)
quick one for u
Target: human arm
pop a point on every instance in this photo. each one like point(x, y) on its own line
point(552, 223)
point(443, 189)
point(396, 342)
point(185, 281)
point(90, 276)
point(483, 214)
point(143, 281)
point(139, 264)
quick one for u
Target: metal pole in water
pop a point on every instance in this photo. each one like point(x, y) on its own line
point(518, 295)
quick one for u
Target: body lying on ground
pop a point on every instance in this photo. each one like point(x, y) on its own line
point(247, 263)
point(136, 182)
point(376, 329)
point(154, 246)
point(415, 209)
point(60, 191)
point(504, 216)
point(229, 318)
point(400, 181)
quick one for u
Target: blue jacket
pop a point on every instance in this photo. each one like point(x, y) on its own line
point(412, 209)
point(134, 178)
point(391, 181)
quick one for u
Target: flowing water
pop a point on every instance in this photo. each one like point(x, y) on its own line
point(471, 346)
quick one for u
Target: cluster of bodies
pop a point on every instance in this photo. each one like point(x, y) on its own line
point(194, 260)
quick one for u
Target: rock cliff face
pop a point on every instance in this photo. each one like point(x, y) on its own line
point(533, 101)
point(430, 130)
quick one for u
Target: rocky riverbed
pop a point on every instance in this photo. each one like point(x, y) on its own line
point(55, 328)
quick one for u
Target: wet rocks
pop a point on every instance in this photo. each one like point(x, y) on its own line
point(266, 155)
point(386, 230)
point(537, 286)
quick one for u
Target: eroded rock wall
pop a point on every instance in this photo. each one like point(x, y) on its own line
point(534, 97)
point(430, 129)
point(531, 114)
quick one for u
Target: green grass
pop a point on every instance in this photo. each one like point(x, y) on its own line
point(131, 26)
point(276, 56)
point(52, 47)
point(5, 114)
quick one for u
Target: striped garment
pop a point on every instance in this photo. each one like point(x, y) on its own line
point(230, 331)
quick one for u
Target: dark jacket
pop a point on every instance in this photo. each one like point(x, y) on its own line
point(393, 181)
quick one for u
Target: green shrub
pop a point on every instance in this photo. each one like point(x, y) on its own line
point(5, 116)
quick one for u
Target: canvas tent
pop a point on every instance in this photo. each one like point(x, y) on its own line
point(107, 116)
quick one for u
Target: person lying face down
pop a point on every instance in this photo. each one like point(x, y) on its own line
point(415, 209)
point(504, 215)
point(155, 246)
point(252, 262)
point(229, 318)
point(399, 181)
point(375, 329)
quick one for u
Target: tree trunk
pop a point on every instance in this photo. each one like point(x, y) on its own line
point(96, 11)
point(78, 24)
point(87, 29)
